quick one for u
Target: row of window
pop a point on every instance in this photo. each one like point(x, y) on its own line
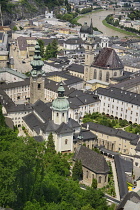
point(113, 100)
point(100, 75)
point(57, 114)
point(121, 109)
point(99, 178)
point(17, 89)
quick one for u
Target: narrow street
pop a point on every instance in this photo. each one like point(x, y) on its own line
point(115, 180)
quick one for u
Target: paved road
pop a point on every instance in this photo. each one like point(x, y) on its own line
point(18, 65)
point(97, 19)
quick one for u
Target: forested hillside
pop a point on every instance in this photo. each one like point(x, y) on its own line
point(35, 177)
point(27, 8)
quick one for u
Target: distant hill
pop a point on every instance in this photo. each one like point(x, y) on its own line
point(21, 9)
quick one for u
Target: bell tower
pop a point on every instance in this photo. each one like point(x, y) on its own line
point(60, 107)
point(89, 56)
point(37, 78)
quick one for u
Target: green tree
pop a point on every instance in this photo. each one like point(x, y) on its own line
point(50, 144)
point(77, 172)
point(95, 199)
point(48, 53)
point(54, 48)
point(2, 119)
point(94, 184)
point(87, 207)
point(32, 205)
point(41, 44)
point(32, 177)
point(15, 28)
point(96, 150)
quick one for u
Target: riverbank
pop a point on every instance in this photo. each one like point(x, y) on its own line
point(118, 29)
point(89, 13)
point(97, 18)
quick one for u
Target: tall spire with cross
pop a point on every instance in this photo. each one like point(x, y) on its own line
point(37, 79)
point(37, 63)
point(91, 28)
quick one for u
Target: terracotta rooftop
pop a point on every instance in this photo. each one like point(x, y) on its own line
point(108, 59)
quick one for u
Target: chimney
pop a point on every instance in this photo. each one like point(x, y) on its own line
point(87, 126)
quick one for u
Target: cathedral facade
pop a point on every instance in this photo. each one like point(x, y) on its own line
point(104, 66)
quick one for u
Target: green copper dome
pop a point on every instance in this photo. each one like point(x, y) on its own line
point(60, 103)
point(37, 63)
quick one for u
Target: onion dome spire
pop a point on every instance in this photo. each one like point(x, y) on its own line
point(37, 63)
point(61, 90)
point(60, 103)
point(91, 28)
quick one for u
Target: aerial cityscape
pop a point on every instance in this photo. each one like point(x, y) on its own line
point(69, 105)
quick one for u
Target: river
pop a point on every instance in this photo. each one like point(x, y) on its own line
point(97, 22)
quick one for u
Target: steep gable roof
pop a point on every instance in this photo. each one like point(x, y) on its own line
point(133, 138)
point(131, 196)
point(33, 122)
point(91, 160)
point(72, 123)
point(64, 128)
point(50, 126)
point(108, 59)
point(121, 175)
point(43, 110)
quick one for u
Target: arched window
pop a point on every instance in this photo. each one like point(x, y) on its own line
point(107, 76)
point(105, 177)
point(115, 73)
point(39, 86)
point(66, 141)
point(57, 114)
point(100, 75)
point(100, 179)
point(62, 114)
point(87, 174)
point(95, 73)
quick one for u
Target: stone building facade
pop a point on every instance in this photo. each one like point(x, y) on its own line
point(94, 166)
point(114, 139)
point(105, 66)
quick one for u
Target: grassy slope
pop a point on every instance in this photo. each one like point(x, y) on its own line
point(118, 29)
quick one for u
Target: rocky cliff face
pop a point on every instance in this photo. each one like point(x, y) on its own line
point(23, 10)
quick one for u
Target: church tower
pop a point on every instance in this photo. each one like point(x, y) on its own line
point(37, 78)
point(60, 107)
point(90, 46)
